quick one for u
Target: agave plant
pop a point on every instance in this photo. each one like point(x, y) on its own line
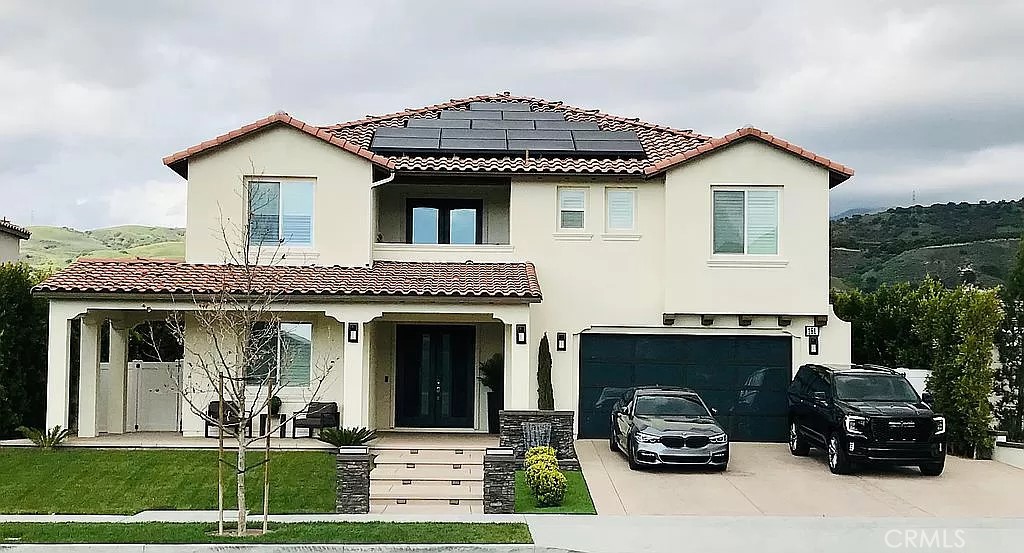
point(341, 437)
point(47, 439)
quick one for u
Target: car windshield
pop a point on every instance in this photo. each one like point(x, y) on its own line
point(872, 387)
point(668, 406)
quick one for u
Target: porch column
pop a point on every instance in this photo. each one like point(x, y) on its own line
point(517, 368)
point(355, 409)
point(89, 375)
point(118, 373)
point(58, 368)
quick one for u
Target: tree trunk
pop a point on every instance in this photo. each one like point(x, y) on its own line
point(240, 479)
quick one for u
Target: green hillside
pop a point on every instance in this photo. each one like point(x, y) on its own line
point(908, 243)
point(56, 247)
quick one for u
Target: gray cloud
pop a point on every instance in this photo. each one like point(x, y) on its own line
point(922, 98)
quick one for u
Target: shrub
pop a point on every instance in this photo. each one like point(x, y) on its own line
point(539, 467)
point(540, 453)
point(22, 350)
point(545, 393)
point(341, 437)
point(49, 439)
point(549, 486)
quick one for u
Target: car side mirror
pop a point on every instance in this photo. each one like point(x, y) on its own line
point(927, 398)
point(820, 397)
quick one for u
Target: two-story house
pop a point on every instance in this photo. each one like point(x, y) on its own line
point(416, 245)
point(11, 236)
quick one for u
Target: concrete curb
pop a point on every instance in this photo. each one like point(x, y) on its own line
point(211, 516)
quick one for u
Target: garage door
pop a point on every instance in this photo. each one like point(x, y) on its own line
point(744, 377)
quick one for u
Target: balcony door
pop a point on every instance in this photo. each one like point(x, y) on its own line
point(434, 376)
point(444, 221)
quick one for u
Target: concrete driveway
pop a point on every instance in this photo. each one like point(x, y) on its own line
point(764, 479)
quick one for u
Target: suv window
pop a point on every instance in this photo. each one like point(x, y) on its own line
point(817, 383)
point(800, 384)
point(874, 387)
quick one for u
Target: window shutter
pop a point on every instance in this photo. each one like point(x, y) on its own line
point(297, 213)
point(621, 204)
point(763, 222)
point(264, 211)
point(296, 353)
point(571, 205)
point(728, 221)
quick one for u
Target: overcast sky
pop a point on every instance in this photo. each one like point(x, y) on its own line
point(921, 98)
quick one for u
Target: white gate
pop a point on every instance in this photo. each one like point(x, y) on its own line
point(153, 402)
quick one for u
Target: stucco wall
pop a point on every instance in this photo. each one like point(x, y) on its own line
point(9, 247)
point(341, 219)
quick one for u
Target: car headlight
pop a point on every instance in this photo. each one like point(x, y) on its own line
point(647, 438)
point(719, 439)
point(940, 424)
point(855, 424)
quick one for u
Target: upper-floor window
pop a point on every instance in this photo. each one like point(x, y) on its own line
point(746, 221)
point(621, 207)
point(444, 221)
point(281, 212)
point(572, 206)
point(281, 352)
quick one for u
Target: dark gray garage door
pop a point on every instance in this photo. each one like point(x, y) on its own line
point(744, 377)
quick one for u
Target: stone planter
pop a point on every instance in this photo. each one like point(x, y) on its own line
point(562, 435)
point(353, 480)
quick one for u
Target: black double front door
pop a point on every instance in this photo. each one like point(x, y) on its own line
point(434, 376)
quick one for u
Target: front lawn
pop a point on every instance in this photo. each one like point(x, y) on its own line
point(77, 480)
point(577, 496)
point(305, 532)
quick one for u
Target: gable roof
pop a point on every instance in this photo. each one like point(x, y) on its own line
point(8, 227)
point(397, 279)
point(664, 147)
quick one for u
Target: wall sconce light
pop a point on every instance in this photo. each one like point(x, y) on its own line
point(520, 334)
point(785, 321)
point(560, 341)
point(353, 332)
point(668, 319)
point(820, 320)
point(745, 320)
point(707, 320)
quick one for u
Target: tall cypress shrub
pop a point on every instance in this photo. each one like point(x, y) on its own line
point(22, 350)
point(545, 394)
point(1009, 377)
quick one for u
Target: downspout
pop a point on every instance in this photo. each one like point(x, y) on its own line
point(373, 212)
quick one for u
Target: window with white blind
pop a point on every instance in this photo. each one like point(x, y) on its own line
point(746, 222)
point(621, 204)
point(281, 352)
point(572, 206)
point(281, 212)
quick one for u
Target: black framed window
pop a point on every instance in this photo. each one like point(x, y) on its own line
point(444, 221)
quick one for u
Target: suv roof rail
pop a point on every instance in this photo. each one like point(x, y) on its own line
point(874, 367)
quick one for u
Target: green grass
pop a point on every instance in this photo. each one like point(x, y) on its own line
point(577, 496)
point(76, 481)
point(312, 532)
point(56, 247)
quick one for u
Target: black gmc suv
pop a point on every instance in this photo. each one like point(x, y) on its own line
point(864, 413)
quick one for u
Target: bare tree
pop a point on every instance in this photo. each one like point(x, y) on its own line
point(238, 348)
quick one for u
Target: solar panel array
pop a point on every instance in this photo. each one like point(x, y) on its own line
point(504, 128)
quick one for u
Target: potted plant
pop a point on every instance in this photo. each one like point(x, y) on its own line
point(492, 375)
point(275, 406)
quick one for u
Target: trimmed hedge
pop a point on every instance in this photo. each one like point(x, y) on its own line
point(547, 483)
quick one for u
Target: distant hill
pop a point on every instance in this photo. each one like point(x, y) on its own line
point(908, 243)
point(855, 211)
point(56, 247)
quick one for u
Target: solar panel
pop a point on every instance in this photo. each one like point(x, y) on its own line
point(604, 135)
point(534, 115)
point(474, 144)
point(609, 146)
point(499, 106)
point(540, 146)
point(540, 135)
point(439, 123)
point(465, 114)
point(401, 144)
point(568, 125)
point(473, 133)
point(407, 132)
point(495, 124)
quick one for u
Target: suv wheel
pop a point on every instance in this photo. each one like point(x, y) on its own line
point(838, 462)
point(932, 469)
point(797, 443)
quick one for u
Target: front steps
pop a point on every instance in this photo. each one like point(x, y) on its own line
point(424, 477)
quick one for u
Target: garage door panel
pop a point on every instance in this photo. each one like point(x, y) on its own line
point(743, 377)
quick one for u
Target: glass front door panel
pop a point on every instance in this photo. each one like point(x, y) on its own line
point(434, 376)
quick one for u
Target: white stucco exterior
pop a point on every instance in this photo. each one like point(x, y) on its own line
point(10, 247)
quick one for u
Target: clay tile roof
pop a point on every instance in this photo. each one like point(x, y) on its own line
point(14, 230)
point(664, 147)
point(383, 278)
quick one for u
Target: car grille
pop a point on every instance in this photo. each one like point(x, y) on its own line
point(677, 442)
point(901, 429)
point(686, 459)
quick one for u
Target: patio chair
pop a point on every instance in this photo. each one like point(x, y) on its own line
point(318, 416)
point(232, 418)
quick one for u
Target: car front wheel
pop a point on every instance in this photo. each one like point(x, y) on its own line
point(932, 469)
point(797, 443)
point(838, 462)
point(613, 442)
point(631, 458)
